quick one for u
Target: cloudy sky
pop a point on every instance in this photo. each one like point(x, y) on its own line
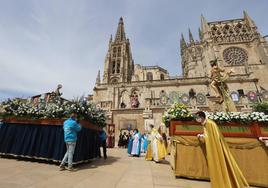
point(43, 43)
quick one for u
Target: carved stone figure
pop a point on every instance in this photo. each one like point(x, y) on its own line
point(134, 101)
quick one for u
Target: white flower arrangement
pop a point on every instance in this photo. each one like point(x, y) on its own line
point(55, 109)
point(238, 116)
point(176, 111)
point(180, 112)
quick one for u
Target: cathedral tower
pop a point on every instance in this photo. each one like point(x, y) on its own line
point(119, 64)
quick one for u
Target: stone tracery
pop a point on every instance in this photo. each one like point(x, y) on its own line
point(235, 56)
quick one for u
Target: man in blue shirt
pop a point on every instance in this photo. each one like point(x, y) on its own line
point(70, 127)
point(103, 143)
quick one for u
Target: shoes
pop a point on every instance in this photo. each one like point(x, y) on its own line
point(71, 169)
point(62, 167)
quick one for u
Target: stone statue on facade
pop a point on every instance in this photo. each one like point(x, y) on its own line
point(134, 101)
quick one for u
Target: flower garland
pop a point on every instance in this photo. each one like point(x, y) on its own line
point(55, 109)
point(180, 112)
point(238, 116)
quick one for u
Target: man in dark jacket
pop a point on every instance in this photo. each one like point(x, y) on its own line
point(103, 137)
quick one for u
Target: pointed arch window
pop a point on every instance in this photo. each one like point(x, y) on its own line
point(162, 77)
point(149, 76)
point(118, 66)
point(113, 67)
point(119, 51)
point(114, 52)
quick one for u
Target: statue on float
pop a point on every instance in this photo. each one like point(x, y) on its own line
point(54, 94)
point(57, 92)
point(218, 84)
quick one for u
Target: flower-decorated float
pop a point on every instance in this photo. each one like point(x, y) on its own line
point(245, 134)
point(33, 128)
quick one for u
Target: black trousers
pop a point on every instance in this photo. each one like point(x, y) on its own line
point(103, 145)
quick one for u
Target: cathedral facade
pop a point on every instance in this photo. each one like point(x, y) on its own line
point(135, 96)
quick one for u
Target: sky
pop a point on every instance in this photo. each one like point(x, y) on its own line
point(46, 43)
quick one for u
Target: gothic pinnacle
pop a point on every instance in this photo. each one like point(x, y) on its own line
point(182, 42)
point(204, 25)
point(249, 21)
point(98, 78)
point(200, 34)
point(191, 38)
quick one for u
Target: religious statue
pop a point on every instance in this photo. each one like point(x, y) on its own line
point(134, 101)
point(54, 94)
point(218, 84)
point(57, 91)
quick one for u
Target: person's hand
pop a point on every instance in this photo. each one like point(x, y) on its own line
point(201, 138)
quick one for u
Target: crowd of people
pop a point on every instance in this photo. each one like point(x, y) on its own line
point(126, 136)
point(123, 139)
point(223, 169)
point(153, 144)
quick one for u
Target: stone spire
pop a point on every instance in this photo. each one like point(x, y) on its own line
point(110, 44)
point(120, 33)
point(182, 42)
point(200, 34)
point(118, 64)
point(249, 21)
point(191, 38)
point(98, 78)
point(204, 25)
point(111, 39)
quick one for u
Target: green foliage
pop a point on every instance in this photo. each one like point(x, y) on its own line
point(261, 107)
point(176, 112)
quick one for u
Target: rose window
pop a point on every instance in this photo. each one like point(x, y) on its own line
point(235, 56)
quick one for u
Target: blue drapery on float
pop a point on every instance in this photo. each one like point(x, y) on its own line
point(46, 142)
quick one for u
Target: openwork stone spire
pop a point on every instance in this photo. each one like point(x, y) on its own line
point(120, 33)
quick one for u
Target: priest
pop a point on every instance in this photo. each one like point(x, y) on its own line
point(156, 150)
point(224, 172)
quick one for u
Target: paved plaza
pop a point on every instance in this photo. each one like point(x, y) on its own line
point(119, 171)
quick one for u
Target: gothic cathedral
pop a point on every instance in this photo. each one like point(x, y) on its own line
point(134, 95)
